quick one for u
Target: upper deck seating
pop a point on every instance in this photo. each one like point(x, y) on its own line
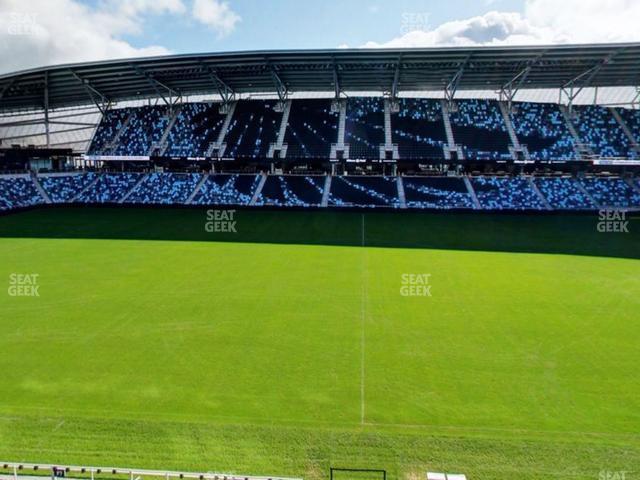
point(311, 129)
point(543, 129)
point(418, 129)
point(364, 127)
point(479, 127)
point(253, 129)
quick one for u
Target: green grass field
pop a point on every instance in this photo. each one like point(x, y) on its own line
point(287, 348)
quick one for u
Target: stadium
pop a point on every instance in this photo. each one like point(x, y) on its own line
point(340, 264)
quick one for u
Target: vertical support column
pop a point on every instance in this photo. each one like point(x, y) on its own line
point(401, 194)
point(447, 124)
point(46, 108)
point(341, 106)
point(472, 193)
point(279, 146)
point(258, 191)
point(387, 123)
point(342, 121)
point(326, 191)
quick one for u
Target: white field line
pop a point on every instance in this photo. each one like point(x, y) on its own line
point(363, 303)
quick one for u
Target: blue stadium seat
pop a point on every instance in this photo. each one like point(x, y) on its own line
point(563, 194)
point(364, 127)
point(223, 189)
point(254, 127)
point(364, 191)
point(145, 128)
point(543, 129)
point(18, 192)
point(110, 188)
point(165, 188)
point(64, 188)
point(598, 129)
point(112, 121)
point(479, 127)
point(505, 193)
point(632, 119)
point(292, 191)
point(418, 129)
point(196, 127)
point(311, 129)
point(436, 192)
point(612, 192)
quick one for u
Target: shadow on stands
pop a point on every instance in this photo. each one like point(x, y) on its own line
point(558, 233)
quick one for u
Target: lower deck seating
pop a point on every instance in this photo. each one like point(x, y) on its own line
point(493, 193)
point(110, 188)
point(64, 188)
point(226, 189)
point(364, 191)
point(18, 192)
point(563, 194)
point(505, 193)
point(165, 188)
point(292, 191)
point(612, 192)
point(436, 192)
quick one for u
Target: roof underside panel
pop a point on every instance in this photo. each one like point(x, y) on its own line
point(488, 68)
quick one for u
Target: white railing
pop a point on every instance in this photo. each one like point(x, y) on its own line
point(18, 470)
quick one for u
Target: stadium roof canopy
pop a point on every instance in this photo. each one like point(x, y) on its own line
point(387, 70)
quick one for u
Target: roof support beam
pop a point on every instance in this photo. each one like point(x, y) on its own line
point(571, 88)
point(227, 93)
point(511, 88)
point(336, 80)
point(156, 85)
point(281, 87)
point(395, 87)
point(92, 93)
point(451, 88)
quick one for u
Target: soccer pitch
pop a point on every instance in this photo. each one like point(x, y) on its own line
point(288, 347)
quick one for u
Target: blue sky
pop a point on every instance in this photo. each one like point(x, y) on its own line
point(285, 24)
point(35, 33)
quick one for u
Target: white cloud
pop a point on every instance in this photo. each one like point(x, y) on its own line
point(47, 32)
point(216, 15)
point(543, 22)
